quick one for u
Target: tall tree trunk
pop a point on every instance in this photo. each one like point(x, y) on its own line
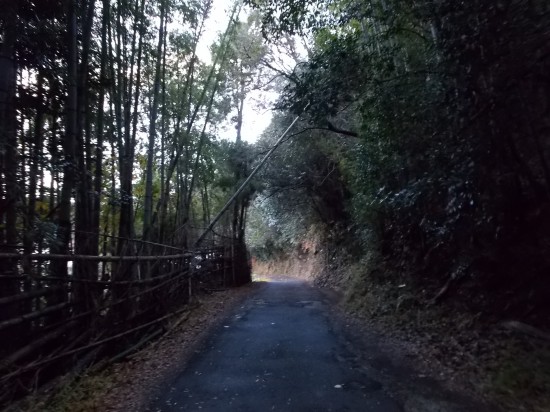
point(239, 164)
point(35, 154)
point(160, 232)
point(63, 238)
point(122, 95)
point(8, 139)
point(148, 204)
point(84, 195)
point(128, 142)
point(8, 154)
point(98, 169)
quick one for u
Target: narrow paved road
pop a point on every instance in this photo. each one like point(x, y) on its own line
point(280, 352)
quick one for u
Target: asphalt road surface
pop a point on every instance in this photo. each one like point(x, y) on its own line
point(282, 352)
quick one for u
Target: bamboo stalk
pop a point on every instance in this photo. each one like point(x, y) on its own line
point(128, 239)
point(89, 346)
point(140, 343)
point(29, 295)
point(245, 183)
point(37, 344)
point(33, 315)
point(97, 282)
point(47, 256)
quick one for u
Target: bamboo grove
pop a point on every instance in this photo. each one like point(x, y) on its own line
point(107, 120)
point(111, 165)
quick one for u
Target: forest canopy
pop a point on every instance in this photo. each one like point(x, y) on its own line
point(447, 182)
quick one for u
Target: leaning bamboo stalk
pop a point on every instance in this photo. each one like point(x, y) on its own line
point(245, 183)
point(101, 308)
point(29, 295)
point(37, 344)
point(33, 315)
point(90, 346)
point(140, 343)
point(129, 239)
point(173, 327)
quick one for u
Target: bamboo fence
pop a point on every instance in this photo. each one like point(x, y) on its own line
point(53, 323)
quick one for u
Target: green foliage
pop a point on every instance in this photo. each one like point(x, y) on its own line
point(303, 188)
point(280, 17)
point(451, 170)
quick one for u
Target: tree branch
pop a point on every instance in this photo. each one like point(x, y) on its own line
point(335, 129)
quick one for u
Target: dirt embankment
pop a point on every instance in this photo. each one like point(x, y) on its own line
point(305, 263)
point(308, 261)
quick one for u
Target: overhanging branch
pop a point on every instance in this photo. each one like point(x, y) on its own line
point(335, 129)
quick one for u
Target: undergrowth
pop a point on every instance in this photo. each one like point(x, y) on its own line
point(505, 368)
point(77, 395)
point(523, 372)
